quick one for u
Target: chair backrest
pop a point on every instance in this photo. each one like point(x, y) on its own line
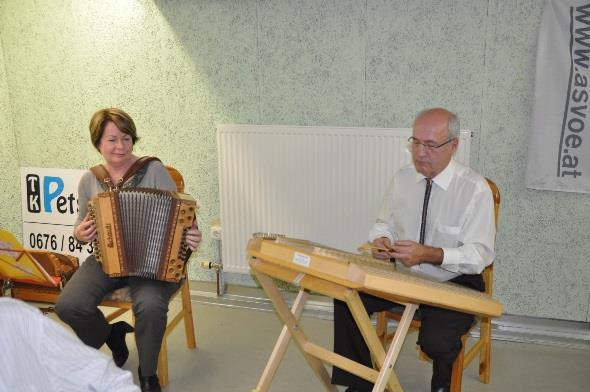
point(496, 196)
point(488, 273)
point(177, 178)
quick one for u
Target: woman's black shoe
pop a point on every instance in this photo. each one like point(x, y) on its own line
point(116, 342)
point(149, 383)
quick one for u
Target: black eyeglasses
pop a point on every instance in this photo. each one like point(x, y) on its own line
point(430, 146)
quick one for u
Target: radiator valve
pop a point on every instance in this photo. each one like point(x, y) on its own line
point(212, 265)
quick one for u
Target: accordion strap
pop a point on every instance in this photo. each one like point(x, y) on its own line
point(102, 175)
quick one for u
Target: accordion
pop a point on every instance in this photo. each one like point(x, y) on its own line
point(141, 232)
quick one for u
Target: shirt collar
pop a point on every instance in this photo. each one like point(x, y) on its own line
point(443, 179)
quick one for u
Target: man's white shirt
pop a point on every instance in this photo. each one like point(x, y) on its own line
point(39, 354)
point(460, 219)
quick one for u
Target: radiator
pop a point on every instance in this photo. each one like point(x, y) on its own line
point(323, 184)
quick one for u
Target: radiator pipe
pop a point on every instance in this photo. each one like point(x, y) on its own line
point(218, 267)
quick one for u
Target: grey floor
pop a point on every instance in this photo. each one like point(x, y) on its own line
point(233, 345)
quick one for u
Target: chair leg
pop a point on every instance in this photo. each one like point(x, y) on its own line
point(163, 364)
point(486, 351)
point(111, 316)
point(457, 372)
point(186, 315)
point(382, 327)
point(422, 355)
point(189, 326)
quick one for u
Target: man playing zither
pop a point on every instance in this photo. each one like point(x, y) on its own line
point(455, 243)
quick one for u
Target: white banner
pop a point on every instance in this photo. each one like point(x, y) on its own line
point(559, 150)
point(49, 210)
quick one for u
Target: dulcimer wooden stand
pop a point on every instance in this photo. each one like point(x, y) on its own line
point(32, 275)
point(18, 264)
point(343, 275)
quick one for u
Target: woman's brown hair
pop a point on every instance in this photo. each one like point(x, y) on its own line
point(122, 120)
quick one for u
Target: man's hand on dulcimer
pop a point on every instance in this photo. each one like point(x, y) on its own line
point(380, 248)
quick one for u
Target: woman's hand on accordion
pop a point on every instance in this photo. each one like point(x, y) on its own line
point(86, 230)
point(193, 238)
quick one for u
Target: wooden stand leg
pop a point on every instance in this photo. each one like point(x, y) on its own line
point(281, 346)
point(394, 349)
point(315, 355)
point(363, 322)
point(297, 334)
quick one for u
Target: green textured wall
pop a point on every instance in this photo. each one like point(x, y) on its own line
point(181, 67)
point(10, 216)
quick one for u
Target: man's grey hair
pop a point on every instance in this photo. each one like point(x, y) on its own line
point(453, 125)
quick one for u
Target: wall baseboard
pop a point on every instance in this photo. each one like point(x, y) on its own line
point(509, 328)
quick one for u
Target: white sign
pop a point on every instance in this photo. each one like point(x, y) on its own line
point(559, 150)
point(301, 259)
point(50, 209)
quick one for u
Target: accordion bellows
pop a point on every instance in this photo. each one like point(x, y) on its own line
point(141, 232)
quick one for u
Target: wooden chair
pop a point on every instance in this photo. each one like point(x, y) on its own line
point(121, 299)
point(483, 344)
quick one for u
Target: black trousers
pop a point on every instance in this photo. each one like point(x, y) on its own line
point(439, 336)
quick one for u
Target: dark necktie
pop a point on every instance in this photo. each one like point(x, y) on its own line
point(425, 209)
